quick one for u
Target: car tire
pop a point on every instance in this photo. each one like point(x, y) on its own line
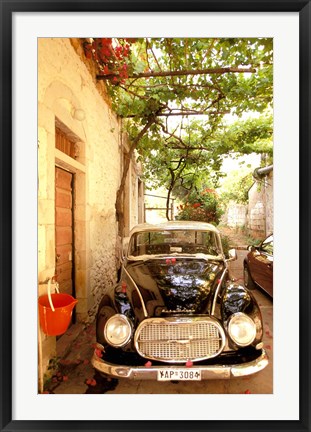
point(248, 281)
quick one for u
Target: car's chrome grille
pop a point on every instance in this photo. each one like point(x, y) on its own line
point(176, 339)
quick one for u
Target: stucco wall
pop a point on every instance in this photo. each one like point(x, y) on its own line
point(70, 97)
point(64, 85)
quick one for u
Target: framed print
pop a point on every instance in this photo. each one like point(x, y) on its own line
point(37, 111)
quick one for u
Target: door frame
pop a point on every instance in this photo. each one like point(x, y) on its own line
point(73, 291)
point(81, 272)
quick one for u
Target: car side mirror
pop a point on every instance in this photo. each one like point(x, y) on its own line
point(232, 255)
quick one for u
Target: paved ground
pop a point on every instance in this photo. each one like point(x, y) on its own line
point(75, 374)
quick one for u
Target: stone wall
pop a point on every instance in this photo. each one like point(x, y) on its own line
point(235, 215)
point(70, 98)
point(260, 208)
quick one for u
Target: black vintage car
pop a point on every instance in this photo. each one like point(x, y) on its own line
point(175, 314)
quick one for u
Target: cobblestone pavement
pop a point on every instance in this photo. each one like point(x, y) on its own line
point(75, 375)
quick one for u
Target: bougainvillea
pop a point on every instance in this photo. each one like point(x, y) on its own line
point(201, 206)
point(111, 55)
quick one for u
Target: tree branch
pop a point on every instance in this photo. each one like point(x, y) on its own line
point(119, 201)
point(154, 56)
point(182, 113)
point(152, 74)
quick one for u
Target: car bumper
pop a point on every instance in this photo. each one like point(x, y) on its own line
point(209, 372)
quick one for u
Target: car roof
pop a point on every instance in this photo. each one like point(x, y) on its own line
point(175, 225)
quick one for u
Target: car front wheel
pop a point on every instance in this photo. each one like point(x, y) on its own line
point(248, 281)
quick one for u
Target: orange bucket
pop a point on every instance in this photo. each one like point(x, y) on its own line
point(55, 312)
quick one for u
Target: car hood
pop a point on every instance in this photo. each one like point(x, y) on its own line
point(175, 285)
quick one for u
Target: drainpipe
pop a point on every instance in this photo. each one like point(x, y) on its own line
point(259, 173)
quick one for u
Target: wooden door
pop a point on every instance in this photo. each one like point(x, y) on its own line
point(64, 230)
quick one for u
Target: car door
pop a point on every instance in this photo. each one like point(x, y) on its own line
point(261, 265)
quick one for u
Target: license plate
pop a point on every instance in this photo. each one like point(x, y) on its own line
point(179, 374)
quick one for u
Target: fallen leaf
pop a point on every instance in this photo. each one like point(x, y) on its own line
point(98, 352)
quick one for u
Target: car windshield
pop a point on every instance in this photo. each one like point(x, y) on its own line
point(175, 242)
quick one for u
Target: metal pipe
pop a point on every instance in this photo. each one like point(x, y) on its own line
point(259, 173)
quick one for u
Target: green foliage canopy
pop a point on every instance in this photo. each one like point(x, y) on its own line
point(179, 93)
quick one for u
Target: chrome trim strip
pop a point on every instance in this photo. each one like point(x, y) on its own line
point(138, 292)
point(217, 291)
point(207, 372)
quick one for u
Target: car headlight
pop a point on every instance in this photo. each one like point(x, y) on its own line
point(118, 330)
point(242, 329)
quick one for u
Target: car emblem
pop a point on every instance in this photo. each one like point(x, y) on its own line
point(181, 341)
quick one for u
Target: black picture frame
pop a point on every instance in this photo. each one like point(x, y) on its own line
point(7, 9)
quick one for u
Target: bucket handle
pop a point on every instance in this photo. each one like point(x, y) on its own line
point(49, 293)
